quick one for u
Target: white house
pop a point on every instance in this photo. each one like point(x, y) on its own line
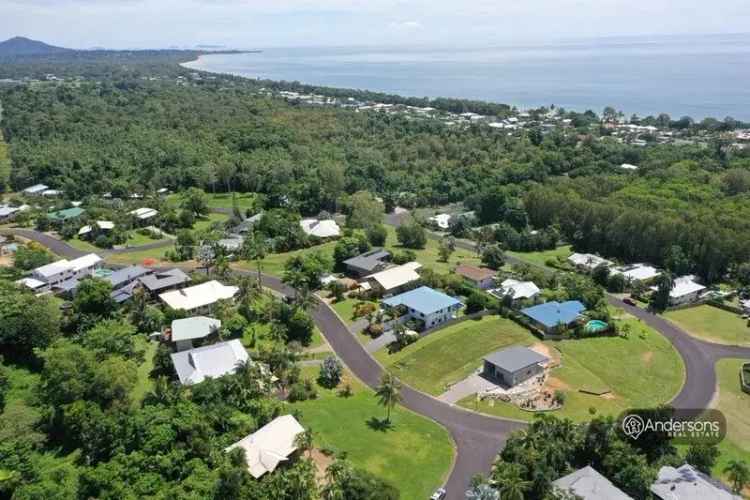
point(638, 272)
point(393, 279)
point(587, 261)
point(184, 331)
point(102, 225)
point(36, 189)
point(270, 445)
point(56, 273)
point(628, 166)
point(320, 228)
point(198, 298)
point(442, 221)
point(144, 213)
point(588, 484)
point(685, 291)
point(426, 305)
point(517, 289)
point(212, 361)
point(686, 483)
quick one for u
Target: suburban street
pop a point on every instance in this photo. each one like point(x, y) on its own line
point(478, 437)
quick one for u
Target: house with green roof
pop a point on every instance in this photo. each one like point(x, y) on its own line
point(66, 214)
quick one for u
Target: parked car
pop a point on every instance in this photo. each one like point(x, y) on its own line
point(629, 301)
point(439, 494)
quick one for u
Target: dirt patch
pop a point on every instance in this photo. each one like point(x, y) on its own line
point(646, 357)
point(6, 261)
point(548, 351)
point(608, 395)
point(321, 461)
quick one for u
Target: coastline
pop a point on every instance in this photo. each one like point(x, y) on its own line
point(339, 72)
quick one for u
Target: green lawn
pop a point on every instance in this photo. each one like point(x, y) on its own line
point(144, 383)
point(429, 256)
point(206, 222)
point(640, 371)
point(415, 454)
point(273, 264)
point(82, 245)
point(453, 353)
point(135, 239)
point(139, 256)
point(220, 200)
point(735, 405)
point(540, 258)
point(712, 324)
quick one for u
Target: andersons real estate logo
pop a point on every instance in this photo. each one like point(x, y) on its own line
point(686, 426)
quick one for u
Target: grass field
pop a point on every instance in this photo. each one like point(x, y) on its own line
point(135, 239)
point(712, 324)
point(274, 263)
point(453, 353)
point(206, 222)
point(735, 405)
point(221, 200)
point(139, 256)
point(539, 258)
point(429, 256)
point(82, 245)
point(641, 370)
point(414, 455)
point(345, 309)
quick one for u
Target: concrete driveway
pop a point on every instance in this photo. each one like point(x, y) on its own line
point(470, 385)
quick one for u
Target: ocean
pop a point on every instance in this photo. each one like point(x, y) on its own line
point(695, 76)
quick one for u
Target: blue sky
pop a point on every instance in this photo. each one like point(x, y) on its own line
point(295, 23)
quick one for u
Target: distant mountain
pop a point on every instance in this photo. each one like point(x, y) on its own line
point(20, 46)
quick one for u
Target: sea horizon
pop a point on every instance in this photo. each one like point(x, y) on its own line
point(643, 75)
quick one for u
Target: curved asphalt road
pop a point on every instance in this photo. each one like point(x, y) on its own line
point(478, 438)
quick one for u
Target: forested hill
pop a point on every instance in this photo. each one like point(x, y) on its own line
point(20, 46)
point(684, 202)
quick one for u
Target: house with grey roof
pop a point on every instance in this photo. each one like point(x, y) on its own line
point(687, 483)
point(184, 331)
point(514, 365)
point(162, 281)
point(588, 484)
point(370, 262)
point(124, 282)
point(212, 361)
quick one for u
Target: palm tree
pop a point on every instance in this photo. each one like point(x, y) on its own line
point(337, 475)
point(304, 441)
point(388, 393)
point(254, 248)
point(738, 473)
point(514, 488)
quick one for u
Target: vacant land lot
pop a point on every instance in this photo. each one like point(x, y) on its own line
point(414, 454)
point(450, 355)
point(429, 255)
point(540, 258)
point(221, 200)
point(641, 370)
point(712, 324)
point(735, 405)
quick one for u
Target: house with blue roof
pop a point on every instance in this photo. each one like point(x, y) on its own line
point(426, 305)
point(550, 315)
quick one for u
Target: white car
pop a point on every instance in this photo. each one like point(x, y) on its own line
point(439, 494)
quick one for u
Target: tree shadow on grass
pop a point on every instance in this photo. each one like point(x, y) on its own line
point(381, 425)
